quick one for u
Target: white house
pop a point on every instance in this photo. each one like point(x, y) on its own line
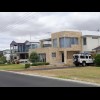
point(90, 40)
point(6, 53)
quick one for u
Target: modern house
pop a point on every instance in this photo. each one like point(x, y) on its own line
point(20, 50)
point(59, 49)
point(6, 53)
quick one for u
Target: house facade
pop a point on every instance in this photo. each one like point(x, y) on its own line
point(59, 49)
point(89, 42)
point(6, 53)
point(20, 51)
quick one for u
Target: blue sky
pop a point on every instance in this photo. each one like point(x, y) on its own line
point(19, 26)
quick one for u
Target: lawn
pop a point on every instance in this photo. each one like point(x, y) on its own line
point(12, 67)
point(89, 74)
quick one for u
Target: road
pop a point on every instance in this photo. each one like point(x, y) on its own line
point(8, 79)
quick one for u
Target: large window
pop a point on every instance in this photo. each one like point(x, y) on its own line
point(67, 41)
point(54, 42)
point(84, 41)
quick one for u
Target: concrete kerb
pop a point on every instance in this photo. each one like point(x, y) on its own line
point(70, 80)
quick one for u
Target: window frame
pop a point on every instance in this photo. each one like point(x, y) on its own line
point(53, 54)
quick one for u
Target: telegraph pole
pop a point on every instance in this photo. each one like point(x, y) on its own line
point(98, 36)
point(30, 41)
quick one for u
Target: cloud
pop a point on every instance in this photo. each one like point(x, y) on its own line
point(19, 26)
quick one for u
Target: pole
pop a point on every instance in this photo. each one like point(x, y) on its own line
point(98, 37)
point(30, 41)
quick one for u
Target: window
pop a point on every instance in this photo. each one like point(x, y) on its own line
point(84, 41)
point(54, 42)
point(76, 57)
point(74, 40)
point(82, 57)
point(94, 37)
point(90, 57)
point(67, 41)
point(86, 57)
point(61, 41)
point(53, 54)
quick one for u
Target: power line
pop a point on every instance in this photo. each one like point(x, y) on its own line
point(24, 18)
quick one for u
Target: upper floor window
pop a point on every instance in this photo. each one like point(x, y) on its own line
point(84, 41)
point(54, 42)
point(67, 41)
point(94, 37)
point(74, 40)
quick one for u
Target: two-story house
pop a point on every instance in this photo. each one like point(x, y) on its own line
point(20, 50)
point(59, 49)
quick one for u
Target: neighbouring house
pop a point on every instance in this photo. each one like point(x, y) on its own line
point(59, 49)
point(6, 53)
point(89, 42)
point(20, 51)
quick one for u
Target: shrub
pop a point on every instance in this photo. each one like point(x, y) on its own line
point(34, 57)
point(27, 65)
point(17, 62)
point(13, 62)
point(47, 63)
point(3, 60)
point(97, 60)
point(40, 63)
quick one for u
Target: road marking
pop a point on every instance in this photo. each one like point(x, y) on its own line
point(48, 77)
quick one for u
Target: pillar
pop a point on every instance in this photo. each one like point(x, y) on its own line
point(65, 57)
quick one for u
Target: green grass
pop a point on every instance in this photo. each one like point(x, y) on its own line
point(12, 67)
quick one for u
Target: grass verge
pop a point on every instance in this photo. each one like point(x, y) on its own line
point(12, 67)
point(89, 74)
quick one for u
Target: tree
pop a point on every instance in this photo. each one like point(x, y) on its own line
point(3, 59)
point(34, 57)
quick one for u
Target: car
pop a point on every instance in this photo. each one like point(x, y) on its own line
point(82, 59)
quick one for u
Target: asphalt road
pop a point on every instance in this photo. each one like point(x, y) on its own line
point(8, 79)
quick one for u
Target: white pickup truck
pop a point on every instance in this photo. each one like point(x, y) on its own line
point(82, 59)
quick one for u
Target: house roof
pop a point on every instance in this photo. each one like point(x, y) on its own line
point(49, 39)
point(91, 36)
point(13, 43)
point(97, 48)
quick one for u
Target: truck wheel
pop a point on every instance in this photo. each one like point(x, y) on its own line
point(83, 63)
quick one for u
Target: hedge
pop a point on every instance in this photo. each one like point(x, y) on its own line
point(40, 63)
point(27, 65)
point(97, 60)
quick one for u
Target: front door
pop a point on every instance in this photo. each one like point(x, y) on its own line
point(62, 56)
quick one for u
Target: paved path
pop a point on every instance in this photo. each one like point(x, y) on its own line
point(8, 79)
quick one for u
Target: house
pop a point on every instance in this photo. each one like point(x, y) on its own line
point(59, 49)
point(89, 42)
point(6, 53)
point(20, 50)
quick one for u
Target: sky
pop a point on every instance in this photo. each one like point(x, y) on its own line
point(34, 26)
